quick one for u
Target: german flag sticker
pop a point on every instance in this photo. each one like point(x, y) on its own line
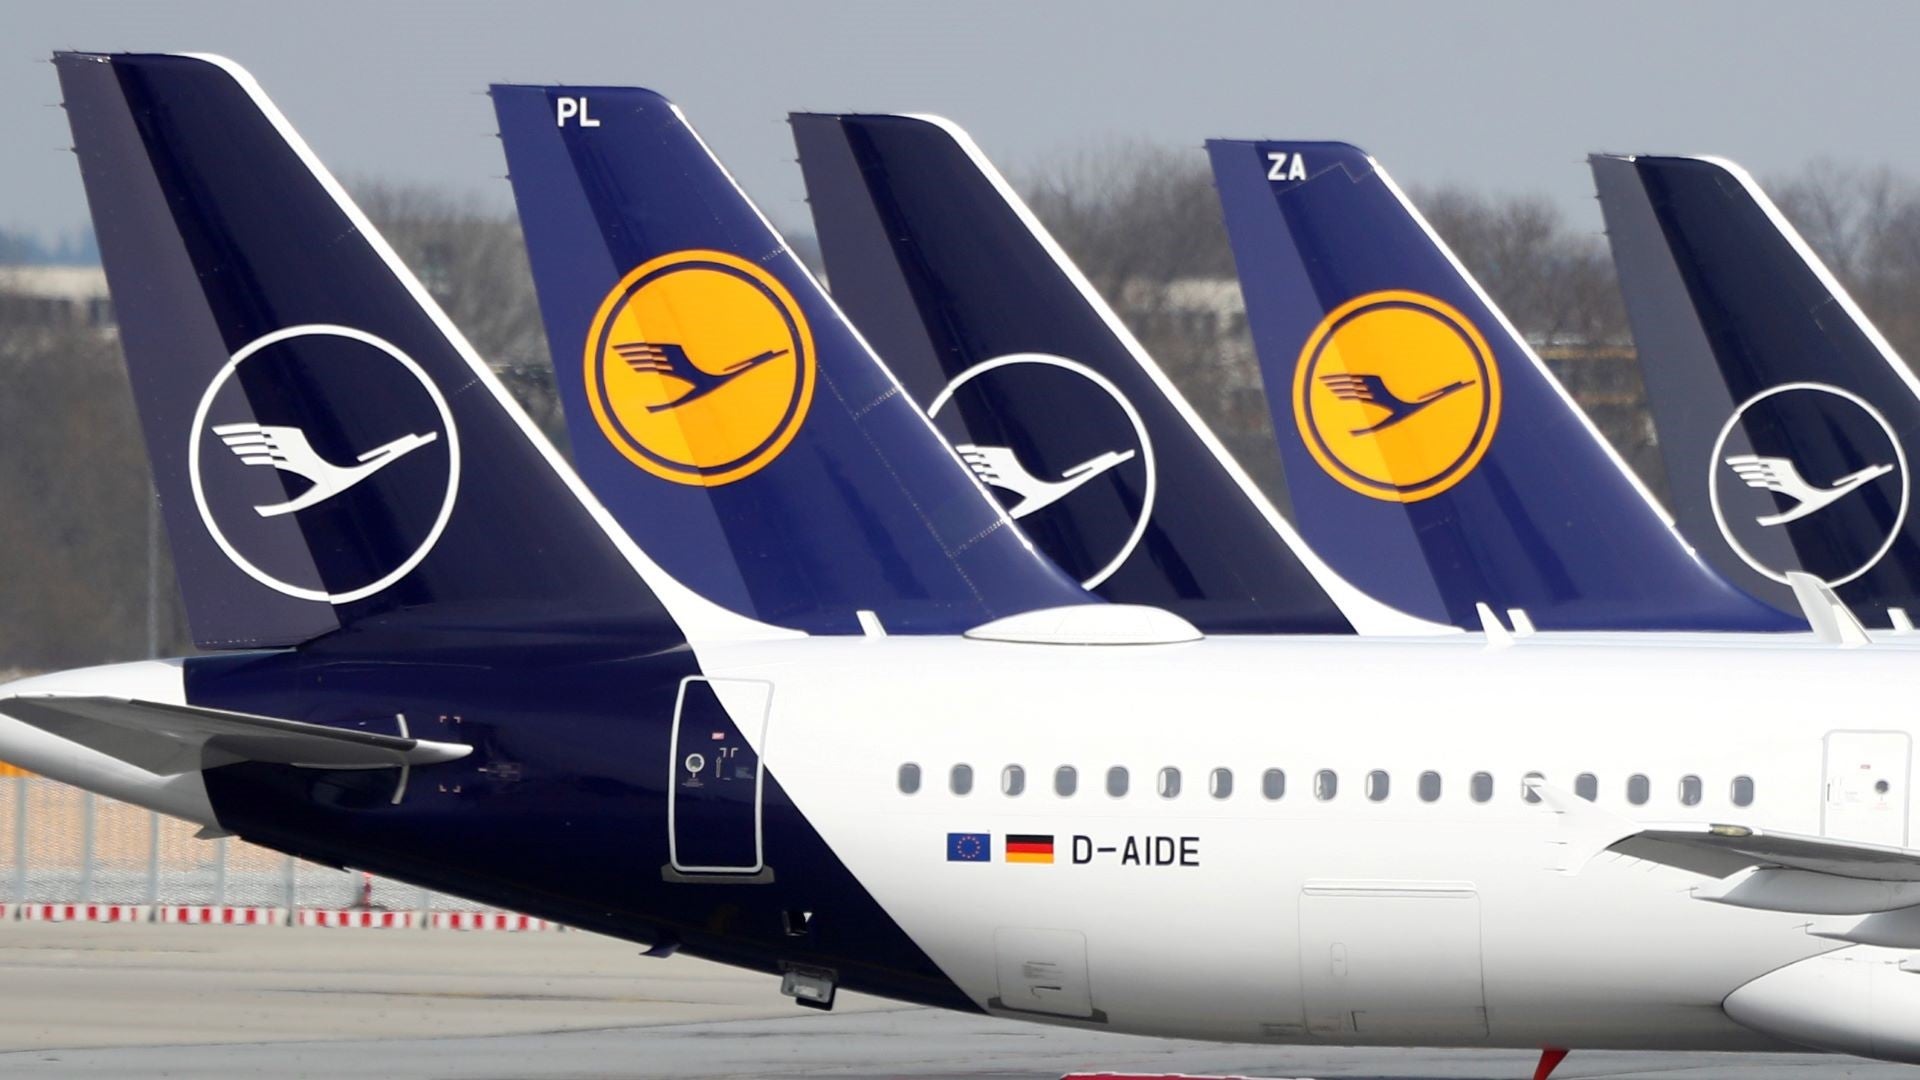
point(1029, 847)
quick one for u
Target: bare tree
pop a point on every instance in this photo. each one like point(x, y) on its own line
point(473, 260)
point(75, 495)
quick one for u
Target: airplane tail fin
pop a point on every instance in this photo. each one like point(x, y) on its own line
point(1784, 416)
point(994, 331)
point(719, 401)
point(327, 447)
point(1429, 453)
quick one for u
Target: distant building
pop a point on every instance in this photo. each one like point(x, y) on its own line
point(55, 298)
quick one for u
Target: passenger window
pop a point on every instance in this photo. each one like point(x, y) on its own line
point(1526, 787)
point(1742, 791)
point(1638, 789)
point(1482, 787)
point(1065, 781)
point(1429, 787)
point(1273, 783)
point(1377, 785)
point(961, 779)
point(1169, 783)
point(1013, 780)
point(1117, 781)
point(909, 778)
point(1690, 789)
point(1325, 785)
point(1220, 783)
point(1587, 786)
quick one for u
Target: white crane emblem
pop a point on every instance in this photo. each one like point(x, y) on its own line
point(997, 466)
point(287, 449)
point(1780, 475)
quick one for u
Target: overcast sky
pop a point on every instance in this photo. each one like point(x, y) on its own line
point(1509, 97)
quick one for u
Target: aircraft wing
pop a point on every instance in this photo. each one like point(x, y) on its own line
point(171, 739)
point(1720, 850)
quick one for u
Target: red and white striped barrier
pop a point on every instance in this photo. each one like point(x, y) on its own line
point(83, 912)
point(221, 916)
point(358, 919)
point(487, 920)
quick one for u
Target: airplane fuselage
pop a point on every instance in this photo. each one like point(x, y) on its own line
point(745, 803)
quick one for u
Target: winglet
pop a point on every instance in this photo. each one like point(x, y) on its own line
point(1832, 621)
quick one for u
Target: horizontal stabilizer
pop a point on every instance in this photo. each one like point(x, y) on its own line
point(1721, 850)
point(171, 739)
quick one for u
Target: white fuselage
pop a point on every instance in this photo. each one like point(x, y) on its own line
point(1347, 919)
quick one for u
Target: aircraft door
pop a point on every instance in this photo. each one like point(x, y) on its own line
point(716, 780)
point(1392, 961)
point(1865, 794)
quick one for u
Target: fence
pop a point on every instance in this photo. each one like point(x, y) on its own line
point(61, 845)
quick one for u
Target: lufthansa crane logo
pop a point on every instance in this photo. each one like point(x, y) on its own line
point(1811, 477)
point(1396, 395)
point(1081, 485)
point(699, 367)
point(327, 427)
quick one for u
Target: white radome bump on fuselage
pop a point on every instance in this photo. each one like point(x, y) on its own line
point(1616, 954)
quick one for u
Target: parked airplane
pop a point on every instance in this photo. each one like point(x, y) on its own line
point(1784, 415)
point(600, 745)
point(724, 411)
point(997, 334)
point(1429, 453)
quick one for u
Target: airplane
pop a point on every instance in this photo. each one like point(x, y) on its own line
point(1496, 493)
point(506, 698)
point(1751, 350)
point(1002, 340)
point(798, 486)
point(946, 270)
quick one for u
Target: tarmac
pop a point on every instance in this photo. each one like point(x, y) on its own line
point(217, 1002)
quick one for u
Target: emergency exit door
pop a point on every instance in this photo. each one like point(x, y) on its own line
point(716, 778)
point(1865, 795)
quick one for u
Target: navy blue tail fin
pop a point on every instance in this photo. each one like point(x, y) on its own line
point(1429, 453)
point(1045, 393)
point(1784, 416)
point(327, 448)
point(722, 406)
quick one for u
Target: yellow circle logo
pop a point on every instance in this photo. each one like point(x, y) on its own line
point(700, 367)
point(1396, 395)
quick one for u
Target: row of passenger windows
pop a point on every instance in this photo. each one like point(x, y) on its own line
point(1326, 784)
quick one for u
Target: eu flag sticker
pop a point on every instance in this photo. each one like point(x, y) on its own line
point(969, 847)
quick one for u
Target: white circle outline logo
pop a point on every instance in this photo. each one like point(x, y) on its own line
point(200, 426)
point(1112, 391)
point(1719, 446)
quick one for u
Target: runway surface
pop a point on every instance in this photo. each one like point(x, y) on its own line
point(230, 1002)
